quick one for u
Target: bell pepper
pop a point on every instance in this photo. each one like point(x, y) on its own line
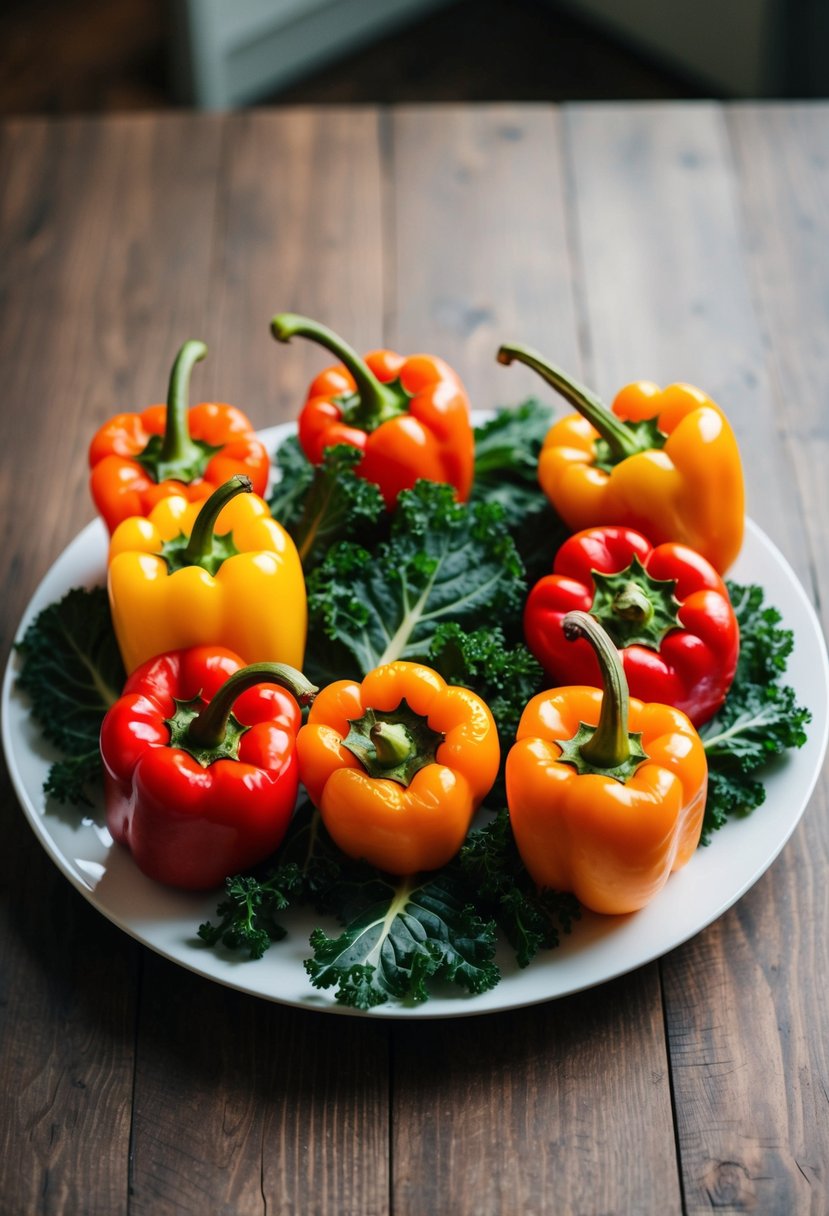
point(665, 608)
point(408, 416)
point(137, 459)
point(200, 766)
point(663, 461)
point(397, 765)
point(222, 572)
point(606, 793)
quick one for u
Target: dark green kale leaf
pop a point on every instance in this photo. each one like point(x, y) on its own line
point(443, 561)
point(531, 920)
point(247, 914)
point(507, 448)
point(505, 677)
point(306, 866)
point(72, 671)
point(338, 505)
point(760, 718)
point(293, 475)
point(398, 935)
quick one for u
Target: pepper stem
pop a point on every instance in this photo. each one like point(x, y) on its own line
point(209, 728)
point(614, 432)
point(377, 401)
point(393, 743)
point(609, 745)
point(200, 546)
point(632, 604)
point(178, 448)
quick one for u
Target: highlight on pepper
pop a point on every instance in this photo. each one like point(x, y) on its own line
point(136, 459)
point(663, 461)
point(398, 764)
point(665, 608)
point(222, 572)
point(408, 416)
point(200, 766)
point(606, 793)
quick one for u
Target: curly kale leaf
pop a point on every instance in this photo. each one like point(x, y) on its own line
point(337, 505)
point(72, 671)
point(507, 448)
point(399, 934)
point(293, 475)
point(306, 866)
point(760, 718)
point(505, 677)
point(443, 561)
point(531, 920)
point(247, 914)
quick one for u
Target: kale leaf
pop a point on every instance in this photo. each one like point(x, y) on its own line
point(72, 671)
point(398, 935)
point(505, 677)
point(506, 471)
point(336, 505)
point(530, 919)
point(760, 718)
point(443, 561)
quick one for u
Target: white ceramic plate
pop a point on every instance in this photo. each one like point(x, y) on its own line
point(599, 947)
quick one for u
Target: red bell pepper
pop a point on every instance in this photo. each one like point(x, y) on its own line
point(409, 417)
point(137, 459)
point(665, 608)
point(195, 791)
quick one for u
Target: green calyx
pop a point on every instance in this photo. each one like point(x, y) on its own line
point(609, 749)
point(634, 608)
point(395, 744)
point(618, 439)
point(211, 732)
point(175, 456)
point(204, 546)
point(374, 401)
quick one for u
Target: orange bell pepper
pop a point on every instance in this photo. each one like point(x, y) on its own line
point(409, 417)
point(606, 794)
point(397, 765)
point(138, 459)
point(662, 461)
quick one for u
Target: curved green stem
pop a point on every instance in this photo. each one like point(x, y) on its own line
point(614, 432)
point(200, 546)
point(177, 446)
point(377, 400)
point(208, 729)
point(609, 745)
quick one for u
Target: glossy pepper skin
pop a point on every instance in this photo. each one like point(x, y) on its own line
point(408, 416)
point(665, 608)
point(611, 826)
point(137, 459)
point(662, 461)
point(242, 586)
point(192, 817)
point(418, 819)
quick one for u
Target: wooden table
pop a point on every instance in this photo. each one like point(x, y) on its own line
point(664, 241)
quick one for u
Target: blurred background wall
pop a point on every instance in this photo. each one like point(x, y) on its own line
point(90, 55)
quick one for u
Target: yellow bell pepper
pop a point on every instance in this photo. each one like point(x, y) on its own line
point(222, 573)
point(662, 461)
